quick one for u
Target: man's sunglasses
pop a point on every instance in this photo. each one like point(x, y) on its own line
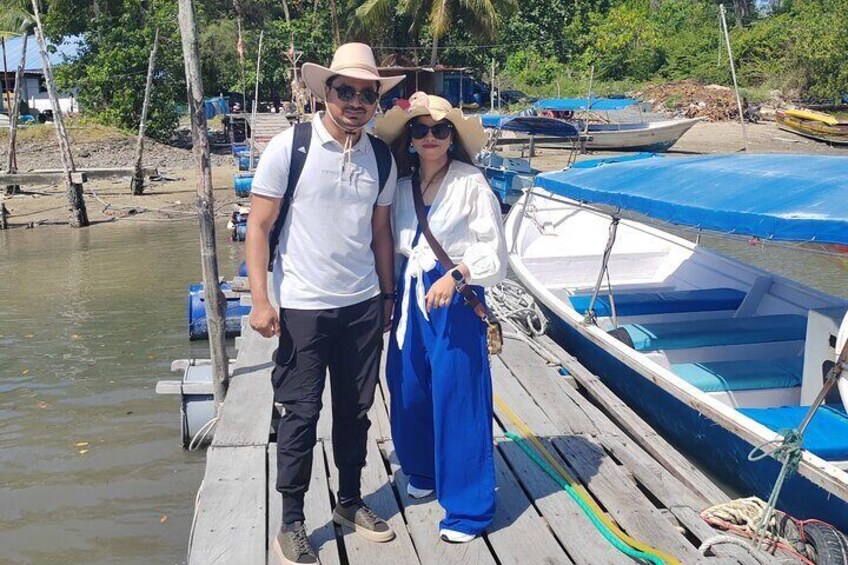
point(440, 131)
point(367, 96)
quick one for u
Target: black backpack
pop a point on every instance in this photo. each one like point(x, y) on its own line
point(300, 149)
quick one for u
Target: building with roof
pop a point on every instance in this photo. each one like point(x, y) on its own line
point(34, 86)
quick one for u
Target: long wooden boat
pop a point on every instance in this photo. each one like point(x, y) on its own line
point(718, 355)
point(813, 124)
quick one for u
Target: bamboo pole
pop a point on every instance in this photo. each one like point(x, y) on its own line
point(5, 74)
point(733, 74)
point(14, 111)
point(214, 298)
point(255, 104)
point(78, 215)
point(137, 183)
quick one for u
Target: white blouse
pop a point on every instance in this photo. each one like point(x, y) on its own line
point(465, 219)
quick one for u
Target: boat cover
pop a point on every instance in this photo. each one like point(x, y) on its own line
point(826, 436)
point(775, 197)
point(731, 376)
point(533, 125)
point(582, 104)
point(655, 336)
point(665, 302)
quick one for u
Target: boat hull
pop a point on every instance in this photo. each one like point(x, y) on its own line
point(720, 451)
point(654, 137)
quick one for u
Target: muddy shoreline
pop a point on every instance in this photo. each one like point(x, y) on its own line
point(172, 197)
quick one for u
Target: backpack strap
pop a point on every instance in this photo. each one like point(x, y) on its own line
point(384, 160)
point(300, 149)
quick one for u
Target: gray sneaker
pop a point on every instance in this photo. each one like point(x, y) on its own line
point(363, 521)
point(292, 547)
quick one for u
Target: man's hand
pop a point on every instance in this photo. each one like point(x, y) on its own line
point(388, 309)
point(441, 293)
point(265, 319)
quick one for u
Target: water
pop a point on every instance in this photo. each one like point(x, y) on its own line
point(89, 321)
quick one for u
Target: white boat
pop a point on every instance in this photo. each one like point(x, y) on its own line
point(610, 123)
point(716, 354)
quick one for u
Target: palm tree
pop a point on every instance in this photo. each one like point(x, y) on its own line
point(482, 16)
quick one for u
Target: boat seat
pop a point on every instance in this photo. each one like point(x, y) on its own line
point(734, 376)
point(826, 436)
point(715, 332)
point(664, 302)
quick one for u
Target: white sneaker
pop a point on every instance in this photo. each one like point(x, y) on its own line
point(415, 492)
point(452, 536)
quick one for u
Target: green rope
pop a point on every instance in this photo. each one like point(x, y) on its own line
point(789, 452)
point(610, 537)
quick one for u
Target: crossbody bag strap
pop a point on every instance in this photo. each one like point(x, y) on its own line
point(467, 292)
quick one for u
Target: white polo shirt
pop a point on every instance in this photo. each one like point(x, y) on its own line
point(324, 254)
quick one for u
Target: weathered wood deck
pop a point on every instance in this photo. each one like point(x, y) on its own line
point(646, 486)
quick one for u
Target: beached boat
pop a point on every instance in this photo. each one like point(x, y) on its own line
point(510, 176)
point(717, 354)
point(615, 123)
point(813, 124)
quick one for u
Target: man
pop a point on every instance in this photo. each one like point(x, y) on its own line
point(333, 270)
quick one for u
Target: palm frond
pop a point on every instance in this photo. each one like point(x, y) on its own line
point(440, 15)
point(484, 15)
point(376, 12)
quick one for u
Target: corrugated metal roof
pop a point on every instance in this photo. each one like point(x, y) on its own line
point(68, 48)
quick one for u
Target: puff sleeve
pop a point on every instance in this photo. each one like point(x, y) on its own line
point(486, 258)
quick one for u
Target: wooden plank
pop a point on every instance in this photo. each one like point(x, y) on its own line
point(230, 520)
point(316, 508)
point(379, 417)
point(422, 518)
point(647, 438)
point(377, 493)
point(583, 542)
point(518, 534)
point(246, 415)
point(510, 392)
point(621, 497)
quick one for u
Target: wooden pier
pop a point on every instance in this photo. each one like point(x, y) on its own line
point(648, 488)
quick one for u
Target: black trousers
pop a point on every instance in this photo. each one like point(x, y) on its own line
point(348, 341)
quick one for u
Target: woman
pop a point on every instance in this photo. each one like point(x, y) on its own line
point(438, 366)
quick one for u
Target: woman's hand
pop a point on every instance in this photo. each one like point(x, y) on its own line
point(441, 293)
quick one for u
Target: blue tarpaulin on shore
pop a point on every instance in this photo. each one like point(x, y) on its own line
point(776, 197)
point(215, 106)
point(582, 104)
point(533, 125)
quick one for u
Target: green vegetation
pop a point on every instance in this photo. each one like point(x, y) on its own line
point(544, 47)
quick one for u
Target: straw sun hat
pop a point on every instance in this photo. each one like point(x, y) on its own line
point(352, 60)
point(470, 129)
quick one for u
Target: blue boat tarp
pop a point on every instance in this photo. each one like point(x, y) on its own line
point(533, 125)
point(775, 197)
point(583, 104)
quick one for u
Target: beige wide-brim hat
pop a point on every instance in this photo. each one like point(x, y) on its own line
point(352, 60)
point(470, 129)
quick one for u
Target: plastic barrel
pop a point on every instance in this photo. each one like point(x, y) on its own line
point(196, 409)
point(242, 270)
point(241, 231)
point(242, 183)
point(244, 162)
point(197, 328)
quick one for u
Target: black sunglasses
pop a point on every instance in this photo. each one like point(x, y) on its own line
point(346, 93)
point(440, 131)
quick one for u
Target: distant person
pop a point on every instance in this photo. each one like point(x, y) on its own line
point(334, 275)
point(437, 365)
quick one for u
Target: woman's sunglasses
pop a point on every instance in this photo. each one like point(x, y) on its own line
point(440, 131)
point(367, 96)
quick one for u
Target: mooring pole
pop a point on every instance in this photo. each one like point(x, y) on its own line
point(214, 298)
point(255, 105)
point(137, 183)
point(12, 163)
point(78, 215)
point(733, 74)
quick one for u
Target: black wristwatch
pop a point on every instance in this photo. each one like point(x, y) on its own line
point(457, 277)
point(388, 295)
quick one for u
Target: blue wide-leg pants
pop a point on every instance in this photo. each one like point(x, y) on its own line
point(441, 407)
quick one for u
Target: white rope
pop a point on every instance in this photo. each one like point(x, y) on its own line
point(517, 308)
point(709, 543)
point(201, 434)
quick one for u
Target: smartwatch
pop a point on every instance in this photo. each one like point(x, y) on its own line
point(457, 277)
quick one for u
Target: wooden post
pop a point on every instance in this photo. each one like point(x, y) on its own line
point(14, 111)
point(3, 213)
point(137, 183)
point(78, 216)
point(255, 105)
point(8, 103)
point(733, 74)
point(214, 298)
